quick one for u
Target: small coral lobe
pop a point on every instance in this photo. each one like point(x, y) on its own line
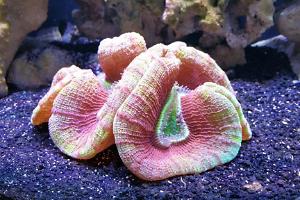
point(197, 67)
point(116, 53)
point(63, 77)
point(73, 124)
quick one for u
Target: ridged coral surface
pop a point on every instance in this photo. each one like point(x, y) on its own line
point(214, 126)
point(173, 111)
point(73, 125)
point(63, 77)
point(130, 78)
point(197, 67)
point(116, 53)
point(246, 131)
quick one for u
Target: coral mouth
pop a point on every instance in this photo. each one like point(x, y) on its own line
point(171, 127)
point(161, 132)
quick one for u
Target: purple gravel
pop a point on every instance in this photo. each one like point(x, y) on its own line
point(31, 167)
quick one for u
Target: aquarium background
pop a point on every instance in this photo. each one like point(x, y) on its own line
point(267, 166)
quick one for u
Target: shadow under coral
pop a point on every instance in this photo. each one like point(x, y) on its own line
point(262, 63)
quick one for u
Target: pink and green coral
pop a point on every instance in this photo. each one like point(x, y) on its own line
point(173, 112)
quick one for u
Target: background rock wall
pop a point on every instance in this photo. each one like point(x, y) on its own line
point(17, 19)
point(223, 28)
point(220, 27)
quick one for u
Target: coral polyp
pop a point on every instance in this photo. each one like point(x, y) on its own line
point(98, 135)
point(73, 124)
point(130, 78)
point(170, 111)
point(197, 67)
point(62, 78)
point(116, 53)
point(160, 135)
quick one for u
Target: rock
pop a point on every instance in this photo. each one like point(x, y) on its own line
point(17, 19)
point(226, 56)
point(287, 22)
point(282, 44)
point(220, 27)
point(41, 39)
point(101, 18)
point(37, 67)
point(295, 62)
point(254, 186)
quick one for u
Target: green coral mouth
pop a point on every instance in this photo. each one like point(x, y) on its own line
point(171, 127)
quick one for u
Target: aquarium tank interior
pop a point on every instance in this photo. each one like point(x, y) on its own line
point(140, 99)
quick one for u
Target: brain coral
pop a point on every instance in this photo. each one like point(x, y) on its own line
point(161, 131)
point(173, 111)
point(73, 124)
point(112, 51)
point(91, 125)
point(63, 77)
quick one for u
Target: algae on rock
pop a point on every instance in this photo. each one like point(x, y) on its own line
point(17, 19)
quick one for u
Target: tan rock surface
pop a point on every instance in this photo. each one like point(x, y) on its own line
point(222, 28)
point(288, 21)
point(17, 19)
point(36, 68)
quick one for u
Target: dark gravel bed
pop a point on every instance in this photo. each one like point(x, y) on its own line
point(267, 167)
